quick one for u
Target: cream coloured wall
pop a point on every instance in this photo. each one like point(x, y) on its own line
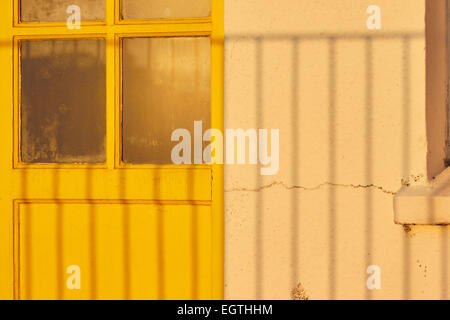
point(350, 106)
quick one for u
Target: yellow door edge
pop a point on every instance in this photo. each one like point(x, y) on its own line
point(217, 122)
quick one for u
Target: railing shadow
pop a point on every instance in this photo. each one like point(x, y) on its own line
point(332, 40)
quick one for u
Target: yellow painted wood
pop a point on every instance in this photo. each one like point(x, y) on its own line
point(124, 251)
point(136, 231)
point(6, 147)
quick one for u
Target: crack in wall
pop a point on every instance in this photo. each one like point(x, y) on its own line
point(282, 184)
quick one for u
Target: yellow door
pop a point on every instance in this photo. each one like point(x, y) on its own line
point(92, 206)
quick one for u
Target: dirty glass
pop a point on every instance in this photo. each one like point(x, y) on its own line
point(63, 105)
point(165, 9)
point(56, 10)
point(166, 86)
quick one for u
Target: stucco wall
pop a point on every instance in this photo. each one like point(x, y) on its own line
point(350, 106)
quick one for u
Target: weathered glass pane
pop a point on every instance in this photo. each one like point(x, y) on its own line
point(63, 101)
point(56, 10)
point(165, 9)
point(166, 86)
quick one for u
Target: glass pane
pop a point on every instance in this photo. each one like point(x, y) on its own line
point(63, 101)
point(166, 86)
point(55, 10)
point(160, 9)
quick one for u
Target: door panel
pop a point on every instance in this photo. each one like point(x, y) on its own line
point(152, 184)
point(123, 250)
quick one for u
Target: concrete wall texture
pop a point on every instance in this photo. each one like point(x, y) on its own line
point(350, 106)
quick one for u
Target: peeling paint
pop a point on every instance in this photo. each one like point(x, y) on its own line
point(299, 293)
point(408, 230)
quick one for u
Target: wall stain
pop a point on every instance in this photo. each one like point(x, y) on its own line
point(423, 268)
point(411, 179)
point(408, 230)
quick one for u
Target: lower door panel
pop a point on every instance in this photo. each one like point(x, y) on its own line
point(112, 250)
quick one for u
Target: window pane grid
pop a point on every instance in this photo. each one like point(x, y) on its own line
point(116, 31)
